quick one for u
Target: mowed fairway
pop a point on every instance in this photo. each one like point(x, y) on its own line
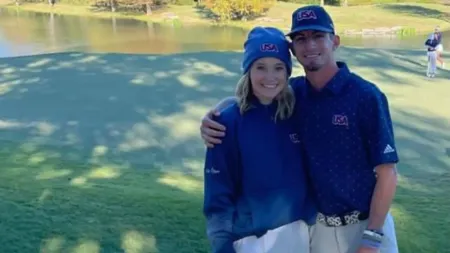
point(101, 153)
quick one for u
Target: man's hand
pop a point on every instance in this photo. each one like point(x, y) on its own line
point(210, 129)
point(363, 249)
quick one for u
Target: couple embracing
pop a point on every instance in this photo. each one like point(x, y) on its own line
point(300, 164)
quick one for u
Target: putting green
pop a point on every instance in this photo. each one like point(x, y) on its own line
point(101, 152)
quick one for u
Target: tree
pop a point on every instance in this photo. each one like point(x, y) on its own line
point(238, 9)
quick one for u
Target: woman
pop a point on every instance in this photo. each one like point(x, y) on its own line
point(257, 197)
point(439, 47)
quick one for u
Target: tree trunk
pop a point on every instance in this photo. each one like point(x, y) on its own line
point(112, 3)
point(148, 8)
point(345, 3)
point(322, 3)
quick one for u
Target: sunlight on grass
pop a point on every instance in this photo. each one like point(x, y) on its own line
point(138, 242)
point(99, 150)
point(194, 68)
point(183, 125)
point(104, 172)
point(90, 58)
point(53, 245)
point(37, 158)
point(10, 124)
point(62, 65)
point(9, 70)
point(410, 185)
point(44, 196)
point(140, 136)
point(180, 181)
point(87, 246)
point(39, 63)
point(188, 79)
point(53, 173)
point(44, 128)
point(402, 218)
point(8, 86)
point(195, 165)
point(79, 181)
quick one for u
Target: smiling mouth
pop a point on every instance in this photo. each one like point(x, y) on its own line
point(270, 86)
point(309, 56)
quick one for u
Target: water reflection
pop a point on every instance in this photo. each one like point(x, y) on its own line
point(23, 33)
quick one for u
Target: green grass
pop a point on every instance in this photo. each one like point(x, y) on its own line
point(101, 153)
point(421, 17)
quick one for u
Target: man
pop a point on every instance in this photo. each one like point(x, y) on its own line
point(347, 132)
point(431, 44)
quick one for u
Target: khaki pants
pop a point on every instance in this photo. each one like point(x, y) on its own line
point(291, 238)
point(432, 61)
point(346, 239)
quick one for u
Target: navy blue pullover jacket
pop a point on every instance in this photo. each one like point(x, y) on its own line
point(255, 180)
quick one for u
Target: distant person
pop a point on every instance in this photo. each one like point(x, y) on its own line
point(257, 196)
point(431, 44)
point(439, 47)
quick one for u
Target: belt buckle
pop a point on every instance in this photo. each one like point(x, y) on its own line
point(337, 220)
point(353, 217)
point(329, 221)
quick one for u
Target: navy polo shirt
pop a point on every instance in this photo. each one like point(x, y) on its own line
point(347, 131)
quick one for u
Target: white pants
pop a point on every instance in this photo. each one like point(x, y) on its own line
point(432, 59)
point(291, 238)
point(347, 239)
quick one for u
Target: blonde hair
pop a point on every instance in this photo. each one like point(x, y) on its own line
point(285, 100)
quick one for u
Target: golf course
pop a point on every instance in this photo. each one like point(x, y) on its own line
point(101, 150)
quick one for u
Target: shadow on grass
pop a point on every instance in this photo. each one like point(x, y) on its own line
point(393, 67)
point(101, 153)
point(418, 11)
point(143, 109)
point(51, 205)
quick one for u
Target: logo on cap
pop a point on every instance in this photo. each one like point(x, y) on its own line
point(307, 14)
point(268, 47)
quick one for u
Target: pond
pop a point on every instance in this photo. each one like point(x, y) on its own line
point(24, 33)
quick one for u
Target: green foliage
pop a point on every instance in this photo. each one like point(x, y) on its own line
point(75, 2)
point(238, 9)
point(181, 2)
point(301, 1)
point(370, 2)
point(407, 31)
point(359, 2)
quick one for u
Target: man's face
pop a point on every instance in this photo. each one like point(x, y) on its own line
point(314, 49)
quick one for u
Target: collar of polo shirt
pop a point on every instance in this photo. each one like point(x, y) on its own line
point(335, 85)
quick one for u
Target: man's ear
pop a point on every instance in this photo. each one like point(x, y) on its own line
point(336, 42)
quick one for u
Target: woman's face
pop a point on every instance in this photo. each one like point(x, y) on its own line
point(268, 77)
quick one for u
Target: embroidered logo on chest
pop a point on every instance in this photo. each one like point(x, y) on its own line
point(340, 120)
point(294, 138)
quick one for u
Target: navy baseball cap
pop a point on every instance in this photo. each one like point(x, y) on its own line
point(311, 17)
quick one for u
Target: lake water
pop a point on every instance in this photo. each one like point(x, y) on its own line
point(24, 33)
